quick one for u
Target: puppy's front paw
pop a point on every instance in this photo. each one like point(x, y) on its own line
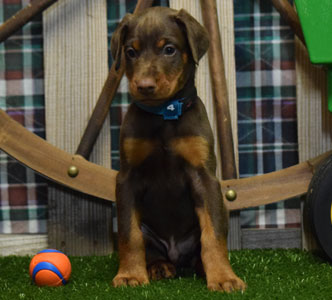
point(130, 280)
point(161, 270)
point(227, 285)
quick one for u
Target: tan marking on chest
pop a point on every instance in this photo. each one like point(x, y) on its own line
point(137, 150)
point(194, 149)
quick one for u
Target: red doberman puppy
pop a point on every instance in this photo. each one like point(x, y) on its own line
point(169, 203)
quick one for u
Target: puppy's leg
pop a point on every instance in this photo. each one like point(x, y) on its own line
point(132, 270)
point(213, 219)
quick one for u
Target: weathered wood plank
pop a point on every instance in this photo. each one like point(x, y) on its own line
point(219, 90)
point(314, 119)
point(52, 162)
point(75, 55)
point(272, 187)
point(22, 244)
point(271, 238)
point(79, 224)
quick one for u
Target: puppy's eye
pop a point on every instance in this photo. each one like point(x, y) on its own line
point(131, 53)
point(169, 50)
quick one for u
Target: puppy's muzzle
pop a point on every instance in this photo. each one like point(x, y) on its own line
point(146, 86)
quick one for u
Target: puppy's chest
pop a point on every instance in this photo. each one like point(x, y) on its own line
point(192, 149)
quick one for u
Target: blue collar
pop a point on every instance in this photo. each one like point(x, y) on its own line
point(172, 109)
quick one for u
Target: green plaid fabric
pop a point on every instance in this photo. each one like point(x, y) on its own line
point(267, 129)
point(23, 194)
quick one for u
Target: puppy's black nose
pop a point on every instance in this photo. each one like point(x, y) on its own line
point(146, 86)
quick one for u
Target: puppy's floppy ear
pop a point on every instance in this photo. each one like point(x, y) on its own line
point(118, 39)
point(197, 35)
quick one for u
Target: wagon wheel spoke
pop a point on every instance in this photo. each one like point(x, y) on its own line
point(22, 17)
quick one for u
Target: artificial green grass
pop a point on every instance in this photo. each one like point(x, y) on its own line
point(270, 274)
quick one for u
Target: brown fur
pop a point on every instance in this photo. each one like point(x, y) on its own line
point(169, 203)
point(161, 43)
point(136, 45)
point(161, 270)
point(137, 150)
point(132, 269)
point(194, 149)
point(220, 275)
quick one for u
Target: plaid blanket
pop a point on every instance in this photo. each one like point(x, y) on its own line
point(266, 109)
point(267, 129)
point(23, 193)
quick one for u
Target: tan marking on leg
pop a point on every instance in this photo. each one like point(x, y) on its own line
point(194, 149)
point(132, 270)
point(137, 150)
point(219, 273)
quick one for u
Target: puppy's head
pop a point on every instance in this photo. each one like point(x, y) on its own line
point(161, 47)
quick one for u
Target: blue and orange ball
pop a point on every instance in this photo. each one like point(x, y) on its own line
point(50, 267)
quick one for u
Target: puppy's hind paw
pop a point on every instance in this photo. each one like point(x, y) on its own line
point(161, 270)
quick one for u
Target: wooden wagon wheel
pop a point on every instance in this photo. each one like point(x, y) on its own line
point(74, 171)
point(50, 161)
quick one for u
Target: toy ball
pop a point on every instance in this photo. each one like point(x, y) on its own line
point(50, 267)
